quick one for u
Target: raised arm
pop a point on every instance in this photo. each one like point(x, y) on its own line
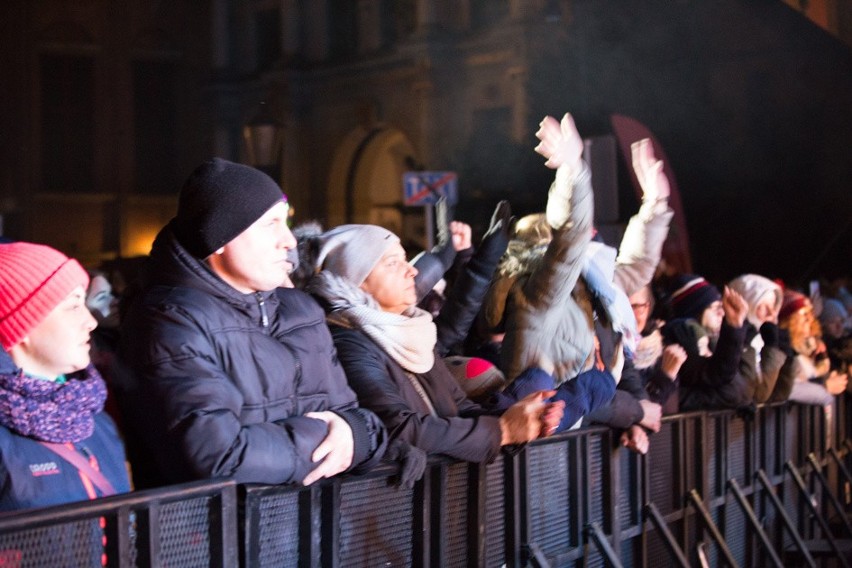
point(642, 243)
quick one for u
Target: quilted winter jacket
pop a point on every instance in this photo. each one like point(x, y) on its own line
point(225, 378)
point(32, 475)
point(545, 327)
point(459, 428)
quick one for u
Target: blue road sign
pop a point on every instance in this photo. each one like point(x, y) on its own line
point(424, 188)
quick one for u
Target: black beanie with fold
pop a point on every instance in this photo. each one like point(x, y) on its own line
point(220, 200)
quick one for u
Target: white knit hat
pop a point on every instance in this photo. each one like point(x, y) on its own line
point(351, 251)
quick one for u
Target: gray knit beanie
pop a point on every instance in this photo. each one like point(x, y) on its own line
point(351, 251)
point(219, 201)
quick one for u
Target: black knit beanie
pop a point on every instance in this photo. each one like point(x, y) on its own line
point(219, 201)
point(691, 295)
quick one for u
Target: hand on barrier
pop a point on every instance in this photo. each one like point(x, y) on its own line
point(522, 422)
point(653, 414)
point(635, 438)
point(551, 417)
point(836, 382)
point(336, 451)
point(411, 459)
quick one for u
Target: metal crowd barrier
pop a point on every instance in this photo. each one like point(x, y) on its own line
point(716, 485)
point(194, 524)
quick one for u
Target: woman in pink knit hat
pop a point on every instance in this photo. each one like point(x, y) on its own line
point(56, 444)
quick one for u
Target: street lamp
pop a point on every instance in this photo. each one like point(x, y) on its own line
point(264, 140)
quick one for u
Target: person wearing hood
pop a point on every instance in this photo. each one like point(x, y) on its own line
point(56, 443)
point(764, 363)
point(237, 377)
point(387, 345)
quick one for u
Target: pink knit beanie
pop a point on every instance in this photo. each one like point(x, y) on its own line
point(34, 279)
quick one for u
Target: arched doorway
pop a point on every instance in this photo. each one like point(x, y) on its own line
point(365, 182)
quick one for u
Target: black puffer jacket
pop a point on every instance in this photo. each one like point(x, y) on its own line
point(458, 427)
point(225, 378)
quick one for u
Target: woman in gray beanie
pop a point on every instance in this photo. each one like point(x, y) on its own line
point(387, 348)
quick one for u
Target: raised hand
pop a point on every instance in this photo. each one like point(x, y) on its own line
point(335, 451)
point(460, 234)
point(560, 143)
point(672, 359)
point(649, 171)
point(735, 307)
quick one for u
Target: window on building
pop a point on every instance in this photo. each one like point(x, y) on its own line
point(343, 38)
point(67, 123)
point(267, 26)
point(155, 122)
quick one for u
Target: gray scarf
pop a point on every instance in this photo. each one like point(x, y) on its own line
point(408, 338)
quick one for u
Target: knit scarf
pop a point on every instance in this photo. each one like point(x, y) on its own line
point(51, 411)
point(409, 338)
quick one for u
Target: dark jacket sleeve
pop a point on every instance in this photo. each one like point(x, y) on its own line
point(715, 382)
point(622, 412)
point(382, 387)
point(199, 407)
point(660, 386)
point(468, 292)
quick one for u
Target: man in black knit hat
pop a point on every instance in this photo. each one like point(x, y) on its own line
point(236, 377)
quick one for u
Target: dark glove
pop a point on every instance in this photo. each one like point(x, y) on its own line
point(496, 239)
point(770, 334)
point(784, 343)
point(501, 220)
point(411, 459)
point(442, 222)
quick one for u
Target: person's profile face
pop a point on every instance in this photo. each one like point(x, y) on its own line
point(101, 302)
point(59, 344)
point(640, 301)
point(391, 282)
point(711, 317)
point(766, 309)
point(256, 259)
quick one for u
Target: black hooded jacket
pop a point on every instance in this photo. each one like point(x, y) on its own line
point(224, 379)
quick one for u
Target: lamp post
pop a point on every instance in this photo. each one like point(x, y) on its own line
point(264, 140)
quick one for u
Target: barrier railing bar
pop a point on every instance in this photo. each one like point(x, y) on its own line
point(437, 541)
point(149, 532)
point(806, 496)
point(117, 533)
point(516, 512)
point(40, 517)
point(653, 513)
point(422, 517)
point(223, 523)
point(769, 491)
point(843, 487)
point(597, 536)
point(309, 517)
point(709, 525)
point(330, 525)
point(537, 558)
point(755, 523)
point(827, 492)
point(476, 515)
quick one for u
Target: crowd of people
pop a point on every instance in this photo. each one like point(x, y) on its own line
point(252, 352)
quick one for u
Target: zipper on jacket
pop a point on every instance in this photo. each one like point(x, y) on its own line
point(264, 317)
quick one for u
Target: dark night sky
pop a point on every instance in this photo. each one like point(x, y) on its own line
point(753, 105)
